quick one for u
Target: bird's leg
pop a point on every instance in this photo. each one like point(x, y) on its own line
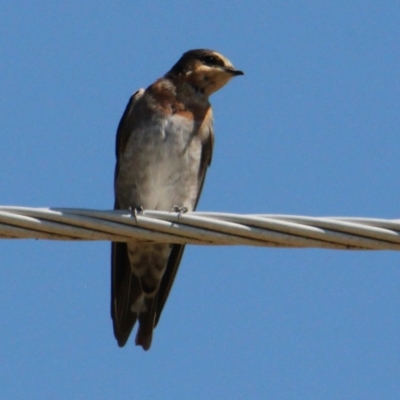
point(180, 209)
point(135, 211)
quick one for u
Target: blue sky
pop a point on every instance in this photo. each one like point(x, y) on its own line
point(311, 129)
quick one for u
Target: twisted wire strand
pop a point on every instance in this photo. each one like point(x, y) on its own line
point(202, 228)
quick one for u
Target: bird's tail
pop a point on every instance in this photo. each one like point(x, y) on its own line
point(146, 323)
point(136, 276)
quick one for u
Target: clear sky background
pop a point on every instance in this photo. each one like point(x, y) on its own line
point(311, 129)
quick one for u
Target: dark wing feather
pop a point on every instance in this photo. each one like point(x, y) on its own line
point(124, 285)
point(123, 130)
point(177, 250)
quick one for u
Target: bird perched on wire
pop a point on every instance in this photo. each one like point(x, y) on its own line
point(163, 148)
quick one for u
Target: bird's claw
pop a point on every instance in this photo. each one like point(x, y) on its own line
point(180, 210)
point(135, 211)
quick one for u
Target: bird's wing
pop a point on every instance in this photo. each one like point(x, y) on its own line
point(177, 250)
point(124, 285)
point(124, 289)
point(123, 130)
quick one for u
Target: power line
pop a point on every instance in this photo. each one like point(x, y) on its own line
point(205, 228)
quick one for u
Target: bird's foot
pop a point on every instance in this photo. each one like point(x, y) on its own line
point(135, 211)
point(181, 210)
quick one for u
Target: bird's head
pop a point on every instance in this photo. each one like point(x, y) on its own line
point(206, 70)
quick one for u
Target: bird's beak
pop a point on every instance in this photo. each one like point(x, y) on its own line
point(234, 72)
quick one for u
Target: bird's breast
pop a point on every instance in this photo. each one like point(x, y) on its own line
point(160, 164)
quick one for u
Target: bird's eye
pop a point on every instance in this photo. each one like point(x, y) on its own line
point(210, 60)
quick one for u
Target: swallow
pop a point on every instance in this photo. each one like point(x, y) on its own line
point(164, 145)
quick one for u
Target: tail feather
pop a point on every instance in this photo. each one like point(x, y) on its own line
point(146, 324)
